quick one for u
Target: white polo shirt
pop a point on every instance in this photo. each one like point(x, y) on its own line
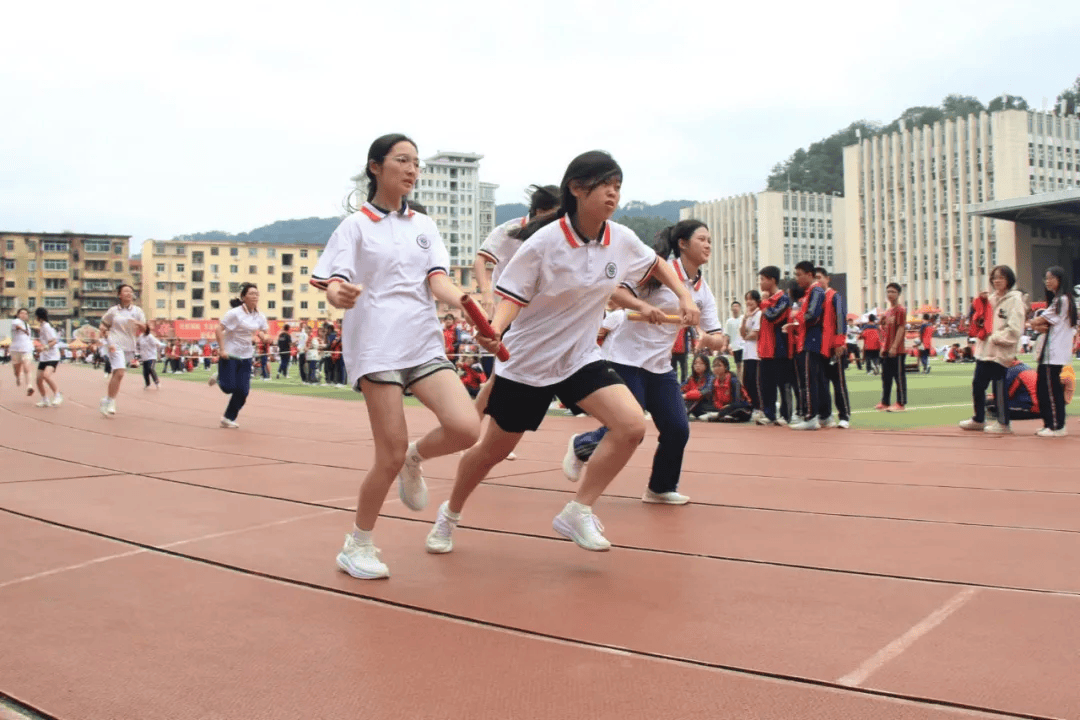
point(1060, 336)
point(147, 346)
point(20, 337)
point(562, 284)
point(46, 335)
point(393, 325)
point(121, 322)
point(612, 322)
point(240, 328)
point(499, 247)
point(753, 324)
point(732, 331)
point(648, 346)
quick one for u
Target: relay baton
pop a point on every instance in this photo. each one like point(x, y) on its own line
point(639, 317)
point(480, 321)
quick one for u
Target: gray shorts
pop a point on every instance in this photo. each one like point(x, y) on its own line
point(407, 376)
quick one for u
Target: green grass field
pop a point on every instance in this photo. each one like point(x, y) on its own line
point(941, 398)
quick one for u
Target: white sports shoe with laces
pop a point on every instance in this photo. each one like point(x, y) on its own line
point(580, 525)
point(411, 487)
point(440, 539)
point(572, 465)
point(361, 561)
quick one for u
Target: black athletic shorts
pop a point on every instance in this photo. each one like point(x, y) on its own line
point(48, 364)
point(516, 407)
point(738, 355)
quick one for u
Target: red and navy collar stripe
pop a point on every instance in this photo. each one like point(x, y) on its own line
point(376, 214)
point(576, 240)
point(680, 271)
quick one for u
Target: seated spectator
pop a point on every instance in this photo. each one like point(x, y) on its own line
point(697, 390)
point(472, 375)
point(1023, 399)
point(731, 402)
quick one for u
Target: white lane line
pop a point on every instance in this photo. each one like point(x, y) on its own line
point(166, 546)
point(897, 647)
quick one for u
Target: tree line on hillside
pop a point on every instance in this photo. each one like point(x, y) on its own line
point(820, 167)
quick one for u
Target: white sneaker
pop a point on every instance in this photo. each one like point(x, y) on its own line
point(212, 380)
point(411, 487)
point(58, 400)
point(830, 423)
point(103, 406)
point(43, 403)
point(361, 561)
point(997, 428)
point(227, 423)
point(971, 424)
point(582, 527)
point(762, 420)
point(512, 456)
point(440, 539)
point(112, 406)
point(572, 465)
point(843, 424)
point(667, 498)
point(812, 424)
point(781, 422)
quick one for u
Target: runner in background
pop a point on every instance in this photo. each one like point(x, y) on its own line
point(238, 328)
point(48, 359)
point(147, 349)
point(120, 326)
point(22, 349)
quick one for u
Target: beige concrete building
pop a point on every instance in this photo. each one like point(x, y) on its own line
point(462, 207)
point(192, 280)
point(768, 228)
point(73, 275)
point(910, 192)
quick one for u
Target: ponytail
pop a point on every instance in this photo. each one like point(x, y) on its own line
point(1063, 292)
point(666, 243)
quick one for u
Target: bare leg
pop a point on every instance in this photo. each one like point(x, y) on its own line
point(47, 376)
point(391, 435)
point(478, 460)
point(459, 428)
point(41, 384)
point(483, 395)
point(616, 409)
point(114, 382)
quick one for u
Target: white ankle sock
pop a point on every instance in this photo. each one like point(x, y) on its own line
point(578, 507)
point(452, 515)
point(362, 537)
point(413, 453)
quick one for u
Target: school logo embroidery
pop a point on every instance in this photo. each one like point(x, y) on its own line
point(423, 241)
point(610, 270)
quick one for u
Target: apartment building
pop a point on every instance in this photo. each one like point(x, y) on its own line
point(768, 228)
point(73, 275)
point(188, 279)
point(910, 193)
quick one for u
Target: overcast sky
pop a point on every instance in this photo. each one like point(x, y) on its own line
point(129, 119)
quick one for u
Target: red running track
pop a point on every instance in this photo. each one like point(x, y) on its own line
point(156, 566)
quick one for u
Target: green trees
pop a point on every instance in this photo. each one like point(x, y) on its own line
point(1071, 97)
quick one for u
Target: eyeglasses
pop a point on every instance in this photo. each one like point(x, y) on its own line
point(406, 160)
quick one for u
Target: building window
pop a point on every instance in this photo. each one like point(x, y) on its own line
point(55, 302)
point(31, 266)
point(55, 284)
point(96, 246)
point(9, 264)
point(215, 287)
point(271, 252)
point(286, 312)
point(9, 283)
point(213, 251)
point(271, 287)
point(287, 295)
point(179, 267)
point(118, 249)
point(196, 293)
point(53, 246)
point(197, 257)
point(159, 248)
point(31, 284)
point(56, 265)
point(234, 269)
point(160, 304)
point(270, 305)
point(322, 304)
point(197, 311)
point(180, 250)
point(234, 252)
point(161, 267)
point(160, 286)
point(214, 269)
point(215, 305)
point(234, 287)
point(118, 266)
point(303, 305)
point(303, 253)
point(10, 244)
point(304, 287)
point(253, 252)
point(253, 269)
point(303, 270)
point(179, 304)
point(270, 269)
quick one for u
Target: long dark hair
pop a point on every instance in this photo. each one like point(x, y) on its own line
point(377, 153)
point(704, 358)
point(592, 169)
point(542, 198)
point(42, 314)
point(666, 243)
point(239, 299)
point(1062, 291)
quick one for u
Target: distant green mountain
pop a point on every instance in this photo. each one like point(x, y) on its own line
point(668, 210)
point(309, 231)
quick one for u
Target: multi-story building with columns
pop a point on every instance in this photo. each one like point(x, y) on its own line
point(909, 194)
point(768, 228)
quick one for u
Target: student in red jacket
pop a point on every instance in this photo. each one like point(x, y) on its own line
point(775, 369)
point(893, 328)
point(697, 390)
point(926, 339)
point(834, 354)
point(472, 376)
point(728, 396)
point(871, 337)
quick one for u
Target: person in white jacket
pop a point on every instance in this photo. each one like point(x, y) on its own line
point(147, 348)
point(1059, 324)
point(996, 354)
